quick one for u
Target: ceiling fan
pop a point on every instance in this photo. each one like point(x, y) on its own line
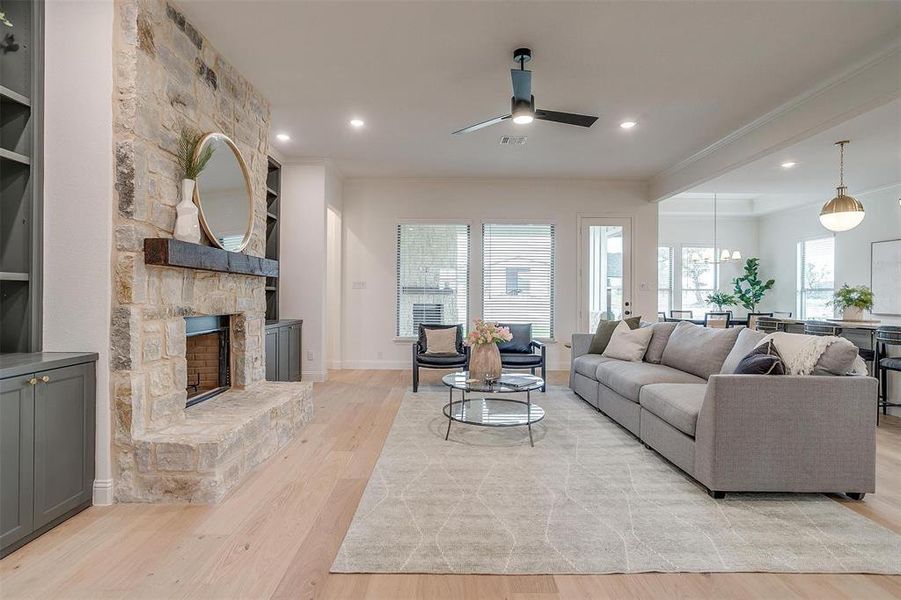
point(523, 102)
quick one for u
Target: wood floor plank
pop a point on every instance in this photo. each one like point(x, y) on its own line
point(277, 535)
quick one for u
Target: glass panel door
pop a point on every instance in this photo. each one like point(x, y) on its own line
point(605, 270)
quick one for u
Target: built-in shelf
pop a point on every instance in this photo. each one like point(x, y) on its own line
point(13, 276)
point(272, 216)
point(169, 252)
point(271, 191)
point(14, 156)
point(273, 185)
point(8, 95)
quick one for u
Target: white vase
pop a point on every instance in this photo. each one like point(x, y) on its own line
point(187, 225)
point(852, 313)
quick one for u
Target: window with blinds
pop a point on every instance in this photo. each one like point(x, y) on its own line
point(432, 276)
point(699, 277)
point(518, 275)
point(816, 278)
point(664, 279)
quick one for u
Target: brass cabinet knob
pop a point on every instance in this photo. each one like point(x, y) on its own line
point(33, 381)
point(45, 378)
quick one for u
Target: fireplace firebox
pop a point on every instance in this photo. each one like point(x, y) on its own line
point(208, 352)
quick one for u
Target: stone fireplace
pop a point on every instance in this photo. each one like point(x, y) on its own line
point(168, 77)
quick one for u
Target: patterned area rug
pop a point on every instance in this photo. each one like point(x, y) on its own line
point(588, 498)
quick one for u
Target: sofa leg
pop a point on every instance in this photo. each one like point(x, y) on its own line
point(716, 495)
point(855, 495)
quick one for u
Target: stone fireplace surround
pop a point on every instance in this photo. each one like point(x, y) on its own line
point(167, 76)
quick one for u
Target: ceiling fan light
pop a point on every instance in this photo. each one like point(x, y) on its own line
point(842, 212)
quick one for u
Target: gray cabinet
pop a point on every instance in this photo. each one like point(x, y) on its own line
point(284, 350)
point(47, 417)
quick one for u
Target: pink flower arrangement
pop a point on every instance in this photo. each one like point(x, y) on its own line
point(486, 332)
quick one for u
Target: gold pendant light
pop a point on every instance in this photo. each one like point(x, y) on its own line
point(842, 212)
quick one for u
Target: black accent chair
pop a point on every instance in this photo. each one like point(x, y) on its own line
point(519, 352)
point(458, 360)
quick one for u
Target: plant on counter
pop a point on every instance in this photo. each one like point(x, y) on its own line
point(721, 299)
point(749, 288)
point(852, 301)
point(191, 162)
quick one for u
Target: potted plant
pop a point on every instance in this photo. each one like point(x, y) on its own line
point(749, 289)
point(720, 300)
point(852, 301)
point(191, 163)
point(485, 358)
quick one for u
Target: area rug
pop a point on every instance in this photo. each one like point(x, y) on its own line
point(588, 498)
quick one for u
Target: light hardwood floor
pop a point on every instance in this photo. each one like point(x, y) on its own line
point(277, 535)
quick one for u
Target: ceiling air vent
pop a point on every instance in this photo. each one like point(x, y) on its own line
point(513, 140)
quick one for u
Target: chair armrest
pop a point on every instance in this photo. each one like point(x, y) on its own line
point(535, 344)
point(581, 342)
point(787, 434)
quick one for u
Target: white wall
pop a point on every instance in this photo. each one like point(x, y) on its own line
point(373, 207)
point(310, 259)
point(78, 203)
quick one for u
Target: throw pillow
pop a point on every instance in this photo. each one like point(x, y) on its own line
point(837, 359)
point(605, 330)
point(521, 342)
point(656, 346)
point(628, 344)
point(441, 341)
point(698, 350)
point(762, 360)
point(747, 340)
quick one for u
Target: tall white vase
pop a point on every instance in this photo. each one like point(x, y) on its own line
point(187, 225)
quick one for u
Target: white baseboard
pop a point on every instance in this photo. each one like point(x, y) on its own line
point(315, 376)
point(103, 492)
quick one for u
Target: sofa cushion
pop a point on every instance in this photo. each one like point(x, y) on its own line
point(627, 378)
point(521, 342)
point(587, 364)
point(605, 330)
point(628, 344)
point(678, 404)
point(515, 359)
point(662, 331)
point(762, 360)
point(746, 341)
point(698, 350)
point(442, 360)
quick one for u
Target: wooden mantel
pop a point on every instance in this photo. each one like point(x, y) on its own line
point(169, 252)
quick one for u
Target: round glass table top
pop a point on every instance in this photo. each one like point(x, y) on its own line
point(493, 412)
point(508, 383)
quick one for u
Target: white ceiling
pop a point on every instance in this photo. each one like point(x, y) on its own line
point(689, 72)
point(872, 162)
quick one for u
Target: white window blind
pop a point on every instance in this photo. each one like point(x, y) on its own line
point(816, 278)
point(432, 276)
point(664, 279)
point(518, 275)
point(698, 277)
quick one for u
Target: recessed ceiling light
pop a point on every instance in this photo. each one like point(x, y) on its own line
point(788, 165)
point(282, 137)
point(628, 124)
point(357, 123)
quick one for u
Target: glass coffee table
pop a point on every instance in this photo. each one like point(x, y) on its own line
point(491, 410)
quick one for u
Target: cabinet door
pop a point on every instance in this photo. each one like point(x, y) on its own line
point(296, 357)
point(16, 459)
point(284, 354)
point(63, 441)
point(271, 355)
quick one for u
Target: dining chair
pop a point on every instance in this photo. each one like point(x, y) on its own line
point(782, 314)
point(886, 335)
point(717, 320)
point(661, 316)
point(752, 318)
point(681, 314)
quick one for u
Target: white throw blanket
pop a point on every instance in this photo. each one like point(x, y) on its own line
point(800, 352)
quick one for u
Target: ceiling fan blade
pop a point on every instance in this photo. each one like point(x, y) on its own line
point(483, 124)
point(568, 118)
point(522, 84)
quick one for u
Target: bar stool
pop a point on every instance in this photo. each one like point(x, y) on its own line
point(886, 335)
point(769, 324)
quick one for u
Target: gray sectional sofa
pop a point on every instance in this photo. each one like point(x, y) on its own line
point(735, 433)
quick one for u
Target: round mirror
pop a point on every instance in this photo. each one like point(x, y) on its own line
point(223, 194)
